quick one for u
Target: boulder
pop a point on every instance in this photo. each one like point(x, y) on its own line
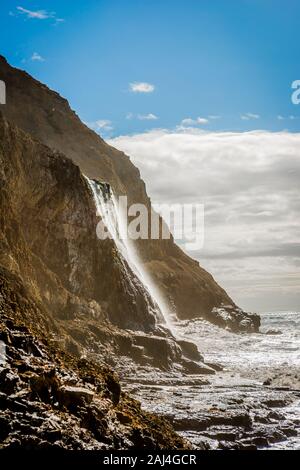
point(190, 350)
point(164, 351)
point(8, 381)
point(273, 332)
point(72, 397)
point(192, 367)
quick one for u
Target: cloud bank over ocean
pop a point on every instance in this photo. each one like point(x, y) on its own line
point(249, 184)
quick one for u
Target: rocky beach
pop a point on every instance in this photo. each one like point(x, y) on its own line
point(111, 345)
point(253, 400)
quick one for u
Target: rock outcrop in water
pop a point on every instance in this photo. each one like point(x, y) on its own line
point(43, 114)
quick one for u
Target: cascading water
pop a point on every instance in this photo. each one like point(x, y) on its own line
point(116, 223)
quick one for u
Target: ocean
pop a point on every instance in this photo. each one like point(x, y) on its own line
point(259, 351)
point(260, 379)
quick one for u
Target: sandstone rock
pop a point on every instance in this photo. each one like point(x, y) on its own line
point(72, 397)
point(191, 367)
point(190, 350)
point(8, 381)
point(45, 386)
point(214, 366)
point(164, 351)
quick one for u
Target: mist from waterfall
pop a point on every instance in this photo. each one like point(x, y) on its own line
point(116, 223)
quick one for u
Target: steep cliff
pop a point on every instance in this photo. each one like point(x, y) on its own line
point(48, 237)
point(42, 113)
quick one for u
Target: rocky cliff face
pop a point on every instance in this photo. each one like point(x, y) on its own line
point(85, 286)
point(47, 117)
point(70, 303)
point(48, 237)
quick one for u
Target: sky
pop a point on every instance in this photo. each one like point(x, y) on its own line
point(198, 92)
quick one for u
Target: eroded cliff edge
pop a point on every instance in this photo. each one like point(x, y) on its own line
point(93, 301)
point(42, 113)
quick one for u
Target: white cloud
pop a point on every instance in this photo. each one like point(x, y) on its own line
point(37, 57)
point(189, 122)
point(141, 87)
point(147, 117)
point(38, 14)
point(201, 120)
point(100, 125)
point(142, 117)
point(283, 118)
point(249, 184)
point(250, 116)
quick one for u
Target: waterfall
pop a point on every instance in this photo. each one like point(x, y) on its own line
point(116, 223)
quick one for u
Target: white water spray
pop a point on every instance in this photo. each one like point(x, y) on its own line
point(116, 223)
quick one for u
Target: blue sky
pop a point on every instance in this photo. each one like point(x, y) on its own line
point(228, 62)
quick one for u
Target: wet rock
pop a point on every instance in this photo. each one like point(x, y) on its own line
point(190, 350)
point(52, 435)
point(222, 435)
point(267, 382)
point(262, 419)
point(273, 332)
point(124, 343)
point(259, 441)
point(275, 415)
point(3, 401)
point(191, 367)
point(276, 436)
point(224, 445)
point(202, 422)
point(74, 397)
point(250, 446)
point(235, 319)
point(289, 431)
point(8, 381)
point(275, 403)
point(26, 343)
point(95, 420)
point(137, 352)
point(214, 366)
point(164, 351)
point(5, 427)
point(114, 387)
point(123, 418)
point(45, 386)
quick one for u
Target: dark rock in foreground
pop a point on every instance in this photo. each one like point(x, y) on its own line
point(49, 400)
